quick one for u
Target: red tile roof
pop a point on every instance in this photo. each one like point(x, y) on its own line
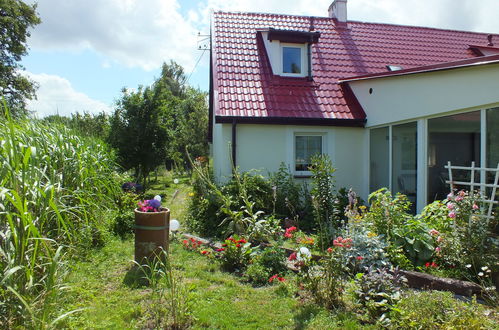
point(245, 88)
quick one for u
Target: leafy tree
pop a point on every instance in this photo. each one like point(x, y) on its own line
point(192, 128)
point(139, 132)
point(16, 18)
point(157, 124)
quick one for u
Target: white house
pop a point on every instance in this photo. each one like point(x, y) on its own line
point(390, 104)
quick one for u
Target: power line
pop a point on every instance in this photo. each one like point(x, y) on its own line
point(195, 66)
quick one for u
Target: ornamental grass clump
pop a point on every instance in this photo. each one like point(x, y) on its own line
point(55, 190)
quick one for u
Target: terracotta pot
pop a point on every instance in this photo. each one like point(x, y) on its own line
point(151, 234)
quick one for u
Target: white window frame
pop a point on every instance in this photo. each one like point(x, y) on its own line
point(323, 149)
point(303, 55)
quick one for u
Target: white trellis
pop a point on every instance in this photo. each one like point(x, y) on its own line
point(482, 185)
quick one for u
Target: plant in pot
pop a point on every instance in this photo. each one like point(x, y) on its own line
point(151, 229)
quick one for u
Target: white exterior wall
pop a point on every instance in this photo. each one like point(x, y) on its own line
point(418, 97)
point(264, 147)
point(406, 97)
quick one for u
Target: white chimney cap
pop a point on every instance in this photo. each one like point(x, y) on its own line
point(338, 10)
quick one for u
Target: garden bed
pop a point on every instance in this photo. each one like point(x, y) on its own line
point(416, 280)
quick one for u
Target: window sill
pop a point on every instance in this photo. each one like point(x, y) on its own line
point(302, 176)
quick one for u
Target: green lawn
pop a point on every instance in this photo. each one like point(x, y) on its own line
point(104, 287)
point(100, 285)
point(221, 300)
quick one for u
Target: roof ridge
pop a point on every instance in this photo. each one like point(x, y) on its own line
point(356, 21)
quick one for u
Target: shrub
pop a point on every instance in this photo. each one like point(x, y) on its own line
point(389, 217)
point(290, 199)
point(438, 310)
point(235, 254)
point(326, 212)
point(272, 258)
point(257, 274)
point(378, 291)
point(366, 249)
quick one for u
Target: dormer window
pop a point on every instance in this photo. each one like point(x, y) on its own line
point(287, 51)
point(292, 59)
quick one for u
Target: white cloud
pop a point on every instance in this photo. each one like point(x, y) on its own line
point(57, 96)
point(134, 33)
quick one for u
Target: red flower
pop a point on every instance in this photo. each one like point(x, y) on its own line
point(292, 256)
point(224, 244)
point(289, 232)
point(185, 242)
point(204, 252)
point(220, 250)
point(427, 264)
point(434, 265)
point(238, 245)
point(330, 250)
point(360, 258)
point(272, 278)
point(242, 240)
point(281, 279)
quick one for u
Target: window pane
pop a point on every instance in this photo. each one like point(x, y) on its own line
point(305, 148)
point(492, 146)
point(379, 150)
point(456, 139)
point(404, 164)
point(291, 60)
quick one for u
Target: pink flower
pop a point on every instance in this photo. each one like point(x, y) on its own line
point(450, 196)
point(289, 232)
point(450, 206)
point(452, 214)
point(440, 239)
point(462, 193)
point(330, 250)
point(438, 249)
point(360, 258)
point(475, 207)
point(292, 256)
point(434, 232)
point(459, 198)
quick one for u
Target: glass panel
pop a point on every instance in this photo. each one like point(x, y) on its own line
point(379, 155)
point(404, 161)
point(291, 60)
point(305, 148)
point(492, 154)
point(456, 139)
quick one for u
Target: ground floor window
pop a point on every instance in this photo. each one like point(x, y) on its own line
point(395, 152)
point(404, 160)
point(456, 139)
point(379, 154)
point(306, 146)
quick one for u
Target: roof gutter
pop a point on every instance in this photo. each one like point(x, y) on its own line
point(289, 121)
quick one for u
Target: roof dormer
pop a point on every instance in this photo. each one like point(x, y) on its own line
point(289, 51)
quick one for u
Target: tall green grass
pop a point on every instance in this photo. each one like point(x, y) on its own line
point(55, 191)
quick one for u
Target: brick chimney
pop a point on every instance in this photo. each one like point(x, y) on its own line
point(338, 10)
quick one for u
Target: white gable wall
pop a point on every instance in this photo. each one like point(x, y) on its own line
point(406, 97)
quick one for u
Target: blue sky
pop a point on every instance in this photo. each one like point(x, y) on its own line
point(84, 52)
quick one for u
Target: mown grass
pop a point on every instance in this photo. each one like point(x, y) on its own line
point(222, 301)
point(105, 287)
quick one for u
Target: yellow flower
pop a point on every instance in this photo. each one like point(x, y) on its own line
point(191, 194)
point(371, 234)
